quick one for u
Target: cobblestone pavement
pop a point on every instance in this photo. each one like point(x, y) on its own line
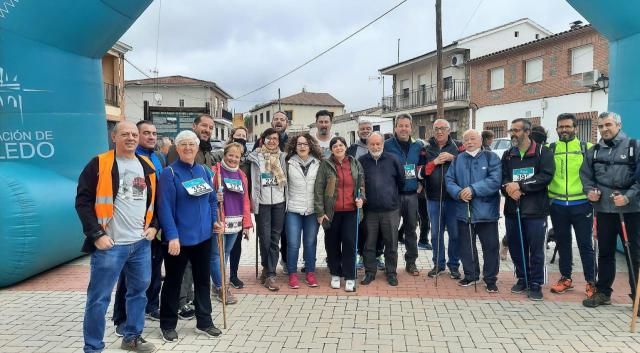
point(44, 314)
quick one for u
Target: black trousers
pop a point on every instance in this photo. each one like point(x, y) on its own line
point(488, 234)
point(363, 235)
point(200, 257)
point(269, 225)
point(382, 226)
point(234, 256)
point(153, 292)
point(609, 228)
point(424, 220)
point(339, 242)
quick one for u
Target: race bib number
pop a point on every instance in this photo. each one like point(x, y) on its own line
point(409, 171)
point(197, 187)
point(268, 180)
point(234, 185)
point(232, 224)
point(523, 173)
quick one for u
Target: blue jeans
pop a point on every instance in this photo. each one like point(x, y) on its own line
point(534, 247)
point(581, 218)
point(106, 265)
point(437, 233)
point(229, 240)
point(306, 227)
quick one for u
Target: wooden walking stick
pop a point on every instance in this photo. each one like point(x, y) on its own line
point(223, 286)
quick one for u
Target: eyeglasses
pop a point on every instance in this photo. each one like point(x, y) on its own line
point(302, 144)
point(440, 129)
point(514, 130)
point(187, 144)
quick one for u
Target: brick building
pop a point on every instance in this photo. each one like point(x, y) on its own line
point(541, 79)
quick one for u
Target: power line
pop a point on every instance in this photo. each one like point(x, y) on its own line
point(470, 18)
point(322, 53)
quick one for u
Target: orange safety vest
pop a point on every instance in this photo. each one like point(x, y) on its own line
point(104, 189)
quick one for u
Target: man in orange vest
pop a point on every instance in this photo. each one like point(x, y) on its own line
point(115, 204)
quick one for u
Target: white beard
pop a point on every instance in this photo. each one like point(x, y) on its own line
point(376, 155)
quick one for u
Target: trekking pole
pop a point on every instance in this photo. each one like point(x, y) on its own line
point(355, 257)
point(595, 246)
point(473, 247)
point(257, 246)
point(524, 261)
point(634, 316)
point(221, 254)
point(440, 226)
point(626, 243)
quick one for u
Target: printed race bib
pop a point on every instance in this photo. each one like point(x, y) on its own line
point(268, 180)
point(232, 224)
point(234, 185)
point(523, 173)
point(409, 171)
point(197, 187)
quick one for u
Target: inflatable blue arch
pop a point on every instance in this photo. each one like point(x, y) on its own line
point(52, 121)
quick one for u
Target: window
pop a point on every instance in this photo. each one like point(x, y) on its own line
point(352, 137)
point(376, 128)
point(537, 36)
point(422, 132)
point(516, 34)
point(261, 118)
point(181, 103)
point(255, 118)
point(584, 129)
point(404, 84)
point(268, 116)
point(533, 70)
point(289, 114)
point(448, 82)
point(581, 59)
point(497, 78)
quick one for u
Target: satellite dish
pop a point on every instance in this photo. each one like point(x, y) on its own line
point(157, 97)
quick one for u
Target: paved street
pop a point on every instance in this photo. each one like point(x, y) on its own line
point(44, 314)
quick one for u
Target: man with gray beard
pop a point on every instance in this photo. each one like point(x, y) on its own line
point(383, 180)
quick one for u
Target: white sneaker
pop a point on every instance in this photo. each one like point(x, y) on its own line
point(335, 282)
point(349, 285)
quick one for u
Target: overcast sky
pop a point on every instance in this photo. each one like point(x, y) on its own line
point(244, 44)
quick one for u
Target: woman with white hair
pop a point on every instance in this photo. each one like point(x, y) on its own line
point(187, 213)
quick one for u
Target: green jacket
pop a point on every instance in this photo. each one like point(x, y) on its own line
point(568, 156)
point(326, 187)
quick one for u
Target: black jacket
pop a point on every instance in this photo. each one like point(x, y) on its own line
point(433, 174)
point(383, 180)
point(535, 201)
point(86, 199)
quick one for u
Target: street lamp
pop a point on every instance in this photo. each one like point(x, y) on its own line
point(603, 82)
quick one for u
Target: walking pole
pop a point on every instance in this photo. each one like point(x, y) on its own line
point(355, 257)
point(440, 226)
point(524, 261)
point(595, 246)
point(257, 246)
point(223, 287)
point(471, 237)
point(626, 243)
point(634, 316)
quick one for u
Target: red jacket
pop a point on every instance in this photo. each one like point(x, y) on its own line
point(246, 204)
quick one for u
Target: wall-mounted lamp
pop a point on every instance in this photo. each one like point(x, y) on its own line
point(603, 82)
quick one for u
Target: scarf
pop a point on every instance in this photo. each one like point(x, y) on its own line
point(272, 164)
point(205, 146)
point(225, 166)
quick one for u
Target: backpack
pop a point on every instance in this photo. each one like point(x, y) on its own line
point(583, 149)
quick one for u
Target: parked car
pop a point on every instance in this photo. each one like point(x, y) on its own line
point(217, 144)
point(500, 145)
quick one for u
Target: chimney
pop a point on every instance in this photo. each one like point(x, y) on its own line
point(575, 24)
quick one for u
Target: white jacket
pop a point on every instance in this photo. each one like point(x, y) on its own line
point(301, 186)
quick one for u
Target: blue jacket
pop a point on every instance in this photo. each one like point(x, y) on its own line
point(484, 174)
point(383, 180)
point(182, 216)
point(416, 156)
point(158, 160)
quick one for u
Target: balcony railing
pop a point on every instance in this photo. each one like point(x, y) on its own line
point(455, 90)
point(111, 94)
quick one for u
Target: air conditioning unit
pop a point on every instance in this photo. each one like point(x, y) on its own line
point(590, 78)
point(457, 60)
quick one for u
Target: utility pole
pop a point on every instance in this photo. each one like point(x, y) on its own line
point(279, 105)
point(439, 91)
point(398, 49)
